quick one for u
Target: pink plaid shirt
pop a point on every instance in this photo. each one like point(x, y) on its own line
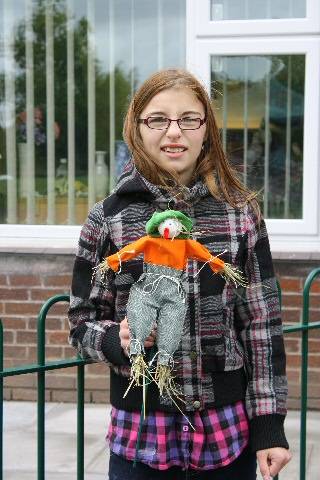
point(167, 439)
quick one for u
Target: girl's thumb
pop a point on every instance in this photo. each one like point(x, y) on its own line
point(264, 467)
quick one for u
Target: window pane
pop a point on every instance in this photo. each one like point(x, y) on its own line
point(66, 76)
point(259, 103)
point(257, 9)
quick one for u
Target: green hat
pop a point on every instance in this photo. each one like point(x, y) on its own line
point(159, 217)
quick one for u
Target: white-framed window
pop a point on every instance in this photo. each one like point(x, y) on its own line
point(264, 86)
point(255, 17)
point(68, 69)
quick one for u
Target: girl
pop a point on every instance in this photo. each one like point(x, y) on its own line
point(230, 362)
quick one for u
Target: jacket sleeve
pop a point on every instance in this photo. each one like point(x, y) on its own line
point(258, 316)
point(93, 332)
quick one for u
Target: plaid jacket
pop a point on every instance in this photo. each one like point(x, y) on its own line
point(232, 344)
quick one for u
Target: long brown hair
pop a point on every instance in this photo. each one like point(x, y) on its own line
point(212, 165)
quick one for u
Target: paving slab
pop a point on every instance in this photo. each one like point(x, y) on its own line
point(20, 434)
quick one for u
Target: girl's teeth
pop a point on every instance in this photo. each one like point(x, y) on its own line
point(173, 150)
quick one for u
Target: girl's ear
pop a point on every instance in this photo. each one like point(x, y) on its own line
point(205, 146)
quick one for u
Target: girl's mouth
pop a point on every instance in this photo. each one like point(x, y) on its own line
point(174, 151)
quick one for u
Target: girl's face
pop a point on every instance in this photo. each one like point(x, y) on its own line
point(174, 148)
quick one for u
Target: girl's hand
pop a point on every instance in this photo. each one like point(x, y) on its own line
point(124, 335)
point(272, 460)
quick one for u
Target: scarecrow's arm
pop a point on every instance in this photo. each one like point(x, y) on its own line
point(198, 252)
point(126, 253)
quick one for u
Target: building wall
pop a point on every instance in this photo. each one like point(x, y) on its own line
point(27, 280)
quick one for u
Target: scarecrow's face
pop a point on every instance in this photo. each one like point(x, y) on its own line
point(174, 149)
point(170, 228)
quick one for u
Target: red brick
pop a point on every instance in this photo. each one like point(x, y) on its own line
point(69, 352)
point(27, 394)
point(8, 337)
point(314, 300)
point(1, 308)
point(313, 391)
point(58, 309)
point(14, 323)
point(69, 370)
point(291, 345)
point(60, 382)
point(28, 380)
point(294, 390)
point(315, 287)
point(15, 352)
point(294, 404)
point(314, 315)
point(293, 375)
point(313, 403)
point(295, 360)
point(291, 284)
point(314, 333)
point(291, 315)
point(7, 394)
point(314, 376)
point(24, 280)
point(314, 346)
point(96, 383)
point(51, 353)
point(64, 396)
point(26, 337)
point(58, 338)
point(43, 293)
point(291, 301)
point(3, 280)
point(13, 293)
point(22, 308)
point(97, 368)
point(100, 397)
point(58, 281)
point(65, 323)
point(50, 323)
point(294, 301)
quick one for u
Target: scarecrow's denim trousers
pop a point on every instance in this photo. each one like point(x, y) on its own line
point(243, 468)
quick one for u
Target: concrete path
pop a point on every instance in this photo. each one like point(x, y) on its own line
point(20, 438)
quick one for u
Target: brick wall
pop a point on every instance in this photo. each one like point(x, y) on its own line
point(27, 280)
point(292, 275)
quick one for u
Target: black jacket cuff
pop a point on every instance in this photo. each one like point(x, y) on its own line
point(111, 347)
point(266, 431)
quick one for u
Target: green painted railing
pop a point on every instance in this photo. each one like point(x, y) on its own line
point(41, 367)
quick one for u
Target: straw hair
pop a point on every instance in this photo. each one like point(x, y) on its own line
point(212, 165)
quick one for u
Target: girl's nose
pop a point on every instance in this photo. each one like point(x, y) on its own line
point(173, 130)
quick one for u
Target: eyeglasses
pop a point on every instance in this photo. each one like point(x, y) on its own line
point(163, 123)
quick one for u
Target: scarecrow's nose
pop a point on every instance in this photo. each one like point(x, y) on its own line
point(166, 233)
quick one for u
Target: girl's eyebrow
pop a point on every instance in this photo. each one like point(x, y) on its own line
point(188, 112)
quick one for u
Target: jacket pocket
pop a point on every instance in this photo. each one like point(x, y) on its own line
point(213, 353)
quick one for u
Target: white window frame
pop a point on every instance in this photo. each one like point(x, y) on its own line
point(284, 233)
point(244, 37)
point(199, 11)
point(39, 238)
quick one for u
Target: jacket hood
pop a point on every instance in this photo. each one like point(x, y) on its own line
point(132, 182)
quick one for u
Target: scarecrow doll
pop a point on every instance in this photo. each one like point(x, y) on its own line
point(158, 298)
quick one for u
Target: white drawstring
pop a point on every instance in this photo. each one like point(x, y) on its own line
point(155, 283)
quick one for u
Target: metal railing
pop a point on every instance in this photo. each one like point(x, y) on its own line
point(41, 367)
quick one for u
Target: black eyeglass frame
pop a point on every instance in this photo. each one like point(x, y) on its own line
point(145, 121)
